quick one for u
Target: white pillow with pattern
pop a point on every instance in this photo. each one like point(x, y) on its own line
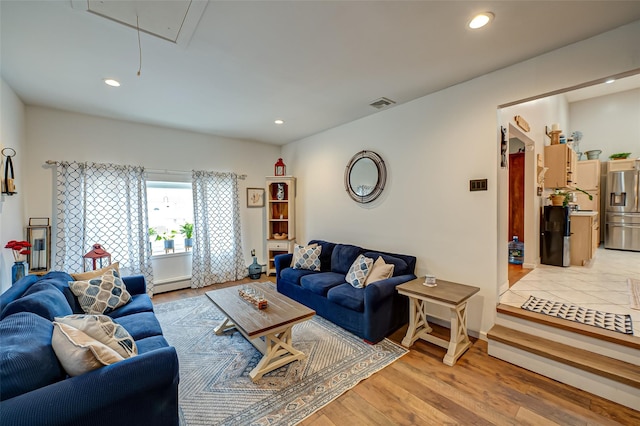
point(101, 295)
point(307, 257)
point(104, 330)
point(359, 271)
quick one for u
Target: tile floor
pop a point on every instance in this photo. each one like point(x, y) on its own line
point(602, 285)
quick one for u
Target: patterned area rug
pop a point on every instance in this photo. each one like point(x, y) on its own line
point(614, 322)
point(215, 388)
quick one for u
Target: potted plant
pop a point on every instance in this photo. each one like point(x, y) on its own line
point(561, 198)
point(187, 230)
point(167, 237)
point(620, 156)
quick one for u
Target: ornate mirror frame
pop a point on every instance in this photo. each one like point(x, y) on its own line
point(365, 191)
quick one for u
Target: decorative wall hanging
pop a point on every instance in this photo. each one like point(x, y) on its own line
point(503, 147)
point(279, 169)
point(39, 236)
point(8, 182)
point(255, 197)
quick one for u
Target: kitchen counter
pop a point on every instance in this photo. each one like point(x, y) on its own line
point(583, 213)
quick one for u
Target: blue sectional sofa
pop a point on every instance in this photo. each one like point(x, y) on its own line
point(35, 389)
point(372, 312)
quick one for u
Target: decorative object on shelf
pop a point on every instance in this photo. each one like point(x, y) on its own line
point(39, 236)
point(280, 193)
point(186, 229)
point(577, 137)
point(8, 183)
point(279, 168)
point(522, 123)
point(620, 156)
point(279, 236)
point(95, 254)
point(594, 154)
point(365, 176)
point(554, 133)
point(255, 197)
point(255, 269)
point(253, 296)
point(19, 249)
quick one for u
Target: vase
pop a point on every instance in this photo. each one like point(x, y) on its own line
point(169, 246)
point(18, 270)
point(255, 269)
point(188, 243)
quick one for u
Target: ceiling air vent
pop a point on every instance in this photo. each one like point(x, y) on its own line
point(381, 103)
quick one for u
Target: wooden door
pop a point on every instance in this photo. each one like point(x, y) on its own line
point(516, 195)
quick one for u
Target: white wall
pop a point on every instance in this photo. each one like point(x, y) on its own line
point(59, 135)
point(610, 123)
point(432, 147)
point(12, 135)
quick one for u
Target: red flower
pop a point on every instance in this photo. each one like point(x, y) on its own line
point(19, 248)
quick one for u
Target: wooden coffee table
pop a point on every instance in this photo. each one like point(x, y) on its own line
point(269, 330)
point(451, 295)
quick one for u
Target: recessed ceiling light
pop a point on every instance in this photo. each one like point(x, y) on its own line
point(611, 80)
point(480, 20)
point(279, 121)
point(111, 82)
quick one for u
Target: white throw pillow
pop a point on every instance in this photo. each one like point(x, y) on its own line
point(79, 353)
point(103, 329)
point(380, 271)
point(306, 257)
point(359, 271)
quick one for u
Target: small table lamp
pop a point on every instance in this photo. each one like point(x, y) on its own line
point(97, 253)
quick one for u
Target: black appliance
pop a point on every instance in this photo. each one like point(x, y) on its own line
point(555, 232)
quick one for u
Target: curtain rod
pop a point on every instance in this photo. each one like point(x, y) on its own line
point(164, 171)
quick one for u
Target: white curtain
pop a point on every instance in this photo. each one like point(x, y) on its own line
point(102, 204)
point(217, 246)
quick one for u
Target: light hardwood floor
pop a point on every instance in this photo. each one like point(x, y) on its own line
point(419, 389)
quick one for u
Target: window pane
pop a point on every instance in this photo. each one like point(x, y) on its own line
point(170, 206)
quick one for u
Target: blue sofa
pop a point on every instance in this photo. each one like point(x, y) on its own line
point(372, 312)
point(34, 388)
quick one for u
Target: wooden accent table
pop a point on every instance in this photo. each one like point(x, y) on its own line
point(452, 295)
point(269, 330)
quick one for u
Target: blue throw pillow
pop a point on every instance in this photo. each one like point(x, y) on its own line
point(27, 359)
point(343, 256)
point(400, 267)
point(42, 299)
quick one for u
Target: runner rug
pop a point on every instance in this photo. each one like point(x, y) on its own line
point(614, 322)
point(215, 388)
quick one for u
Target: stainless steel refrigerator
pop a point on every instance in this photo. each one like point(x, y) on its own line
point(622, 220)
point(555, 234)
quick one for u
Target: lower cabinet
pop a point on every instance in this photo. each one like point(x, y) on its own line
point(585, 236)
point(275, 248)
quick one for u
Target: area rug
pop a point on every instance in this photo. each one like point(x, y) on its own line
point(634, 293)
point(609, 321)
point(215, 388)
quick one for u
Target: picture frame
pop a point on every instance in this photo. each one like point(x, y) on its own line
point(255, 197)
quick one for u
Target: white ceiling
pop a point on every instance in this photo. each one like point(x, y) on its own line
point(315, 64)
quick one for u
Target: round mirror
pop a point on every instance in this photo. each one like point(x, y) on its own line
point(365, 176)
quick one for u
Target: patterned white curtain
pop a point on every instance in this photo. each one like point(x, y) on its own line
point(217, 246)
point(102, 204)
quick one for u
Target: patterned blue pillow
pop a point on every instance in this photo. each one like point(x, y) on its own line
point(101, 295)
point(307, 257)
point(359, 271)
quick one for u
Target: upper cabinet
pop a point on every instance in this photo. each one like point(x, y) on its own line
point(561, 162)
point(588, 174)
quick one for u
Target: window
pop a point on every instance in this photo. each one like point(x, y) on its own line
point(170, 206)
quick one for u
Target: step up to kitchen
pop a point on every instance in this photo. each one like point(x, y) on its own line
point(600, 365)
